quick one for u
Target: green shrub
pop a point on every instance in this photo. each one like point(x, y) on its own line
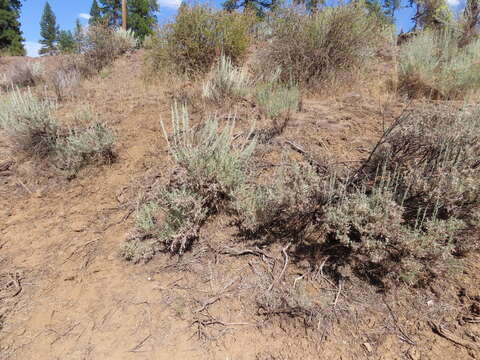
point(432, 64)
point(197, 37)
point(225, 81)
point(330, 44)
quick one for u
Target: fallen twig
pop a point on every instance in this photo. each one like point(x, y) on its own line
point(137, 347)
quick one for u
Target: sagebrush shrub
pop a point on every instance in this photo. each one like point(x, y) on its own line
point(225, 81)
point(330, 44)
point(32, 128)
point(208, 155)
point(274, 98)
point(197, 37)
point(92, 143)
point(209, 169)
point(433, 64)
point(28, 123)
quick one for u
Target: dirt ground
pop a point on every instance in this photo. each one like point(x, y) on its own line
point(65, 292)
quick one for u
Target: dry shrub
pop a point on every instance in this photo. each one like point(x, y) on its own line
point(286, 206)
point(32, 129)
point(198, 36)
point(64, 80)
point(408, 218)
point(22, 74)
point(408, 214)
point(328, 45)
point(208, 171)
point(434, 65)
point(103, 45)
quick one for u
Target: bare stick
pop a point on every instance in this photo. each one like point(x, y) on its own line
point(140, 344)
point(284, 250)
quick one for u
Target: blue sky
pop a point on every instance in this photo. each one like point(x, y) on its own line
point(68, 11)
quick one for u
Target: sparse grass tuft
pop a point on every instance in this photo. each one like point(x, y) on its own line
point(226, 81)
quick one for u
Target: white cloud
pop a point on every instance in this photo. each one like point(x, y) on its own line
point(84, 16)
point(453, 3)
point(169, 3)
point(32, 48)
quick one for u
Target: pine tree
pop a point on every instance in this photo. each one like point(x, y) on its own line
point(48, 31)
point(79, 37)
point(257, 6)
point(10, 33)
point(141, 16)
point(95, 13)
point(112, 11)
point(66, 41)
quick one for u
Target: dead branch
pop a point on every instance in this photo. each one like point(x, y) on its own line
point(309, 157)
point(284, 251)
point(440, 330)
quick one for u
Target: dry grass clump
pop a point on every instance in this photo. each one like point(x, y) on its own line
point(198, 36)
point(328, 45)
point(22, 74)
point(32, 129)
point(434, 65)
point(209, 168)
point(226, 81)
